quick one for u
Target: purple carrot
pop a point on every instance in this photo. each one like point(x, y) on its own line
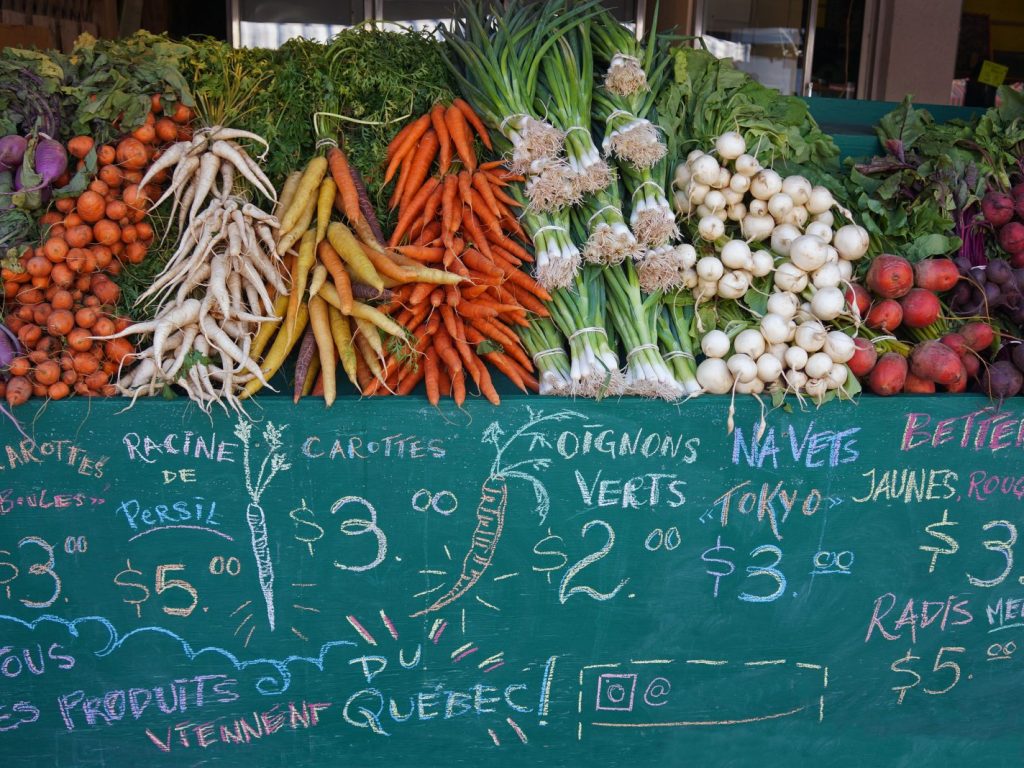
point(365, 205)
point(307, 350)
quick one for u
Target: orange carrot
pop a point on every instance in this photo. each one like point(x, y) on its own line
point(438, 123)
point(490, 165)
point(473, 259)
point(509, 244)
point(421, 293)
point(410, 212)
point(465, 186)
point(461, 136)
point(430, 234)
point(476, 233)
point(528, 301)
point(338, 164)
point(426, 151)
point(487, 387)
point(448, 205)
point(481, 185)
point(432, 207)
point(422, 253)
point(475, 121)
point(403, 176)
point(481, 210)
point(342, 282)
point(431, 376)
point(416, 130)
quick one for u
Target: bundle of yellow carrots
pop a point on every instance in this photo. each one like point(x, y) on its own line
point(460, 220)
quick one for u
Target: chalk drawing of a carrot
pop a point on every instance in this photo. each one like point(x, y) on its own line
point(490, 512)
point(274, 462)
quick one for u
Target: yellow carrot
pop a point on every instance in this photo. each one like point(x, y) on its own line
point(342, 333)
point(369, 332)
point(286, 241)
point(364, 311)
point(345, 243)
point(369, 356)
point(266, 331)
point(306, 191)
point(317, 278)
point(305, 262)
point(287, 193)
point(319, 319)
point(324, 204)
point(279, 350)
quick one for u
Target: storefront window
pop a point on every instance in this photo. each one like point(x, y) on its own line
point(269, 23)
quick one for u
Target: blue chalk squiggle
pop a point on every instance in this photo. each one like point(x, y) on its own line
point(267, 685)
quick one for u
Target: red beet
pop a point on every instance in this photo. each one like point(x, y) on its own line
point(1011, 238)
point(959, 384)
point(997, 207)
point(857, 296)
point(979, 336)
point(921, 308)
point(885, 315)
point(936, 274)
point(864, 358)
point(915, 385)
point(936, 362)
point(972, 363)
point(890, 276)
point(889, 374)
point(956, 342)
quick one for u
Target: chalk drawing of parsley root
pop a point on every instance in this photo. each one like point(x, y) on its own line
point(273, 462)
point(490, 513)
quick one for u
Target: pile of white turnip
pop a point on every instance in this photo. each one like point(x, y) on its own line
point(764, 233)
point(215, 290)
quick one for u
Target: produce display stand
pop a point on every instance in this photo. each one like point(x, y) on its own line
point(753, 581)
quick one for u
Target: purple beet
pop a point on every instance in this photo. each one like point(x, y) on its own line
point(1001, 380)
point(1017, 356)
point(999, 271)
point(997, 208)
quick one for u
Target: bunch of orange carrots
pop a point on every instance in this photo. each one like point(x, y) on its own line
point(460, 219)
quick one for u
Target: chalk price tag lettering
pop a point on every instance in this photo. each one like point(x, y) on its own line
point(992, 74)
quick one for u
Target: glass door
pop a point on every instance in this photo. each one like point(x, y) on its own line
point(771, 40)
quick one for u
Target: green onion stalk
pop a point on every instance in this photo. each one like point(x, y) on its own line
point(601, 227)
point(566, 84)
point(581, 314)
point(635, 318)
point(651, 217)
point(634, 74)
point(546, 346)
point(556, 257)
point(495, 55)
point(676, 324)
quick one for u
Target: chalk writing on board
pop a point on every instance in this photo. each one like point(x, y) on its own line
point(490, 512)
point(256, 484)
point(656, 693)
point(274, 681)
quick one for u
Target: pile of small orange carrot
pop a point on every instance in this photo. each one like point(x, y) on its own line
point(455, 214)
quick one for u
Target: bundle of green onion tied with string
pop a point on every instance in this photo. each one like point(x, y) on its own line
point(623, 103)
point(565, 88)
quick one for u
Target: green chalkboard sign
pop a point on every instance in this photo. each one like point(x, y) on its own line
point(548, 583)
